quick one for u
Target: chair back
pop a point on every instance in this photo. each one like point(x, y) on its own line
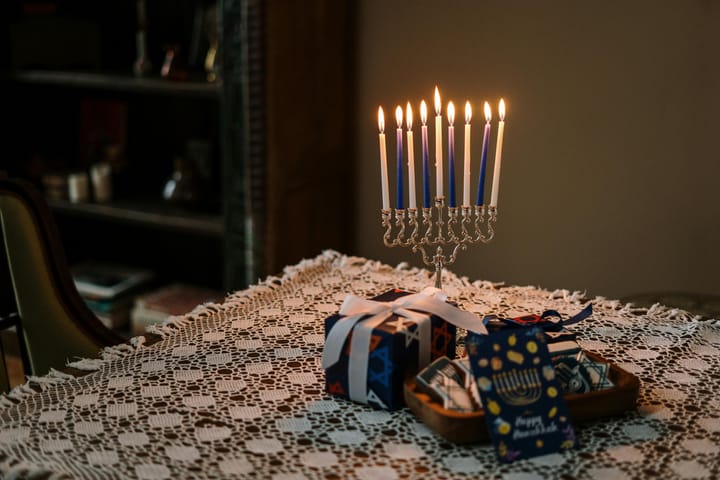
point(57, 325)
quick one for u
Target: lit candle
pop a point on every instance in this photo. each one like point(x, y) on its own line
point(411, 156)
point(398, 118)
point(483, 156)
point(498, 154)
point(383, 161)
point(466, 170)
point(438, 146)
point(451, 152)
point(426, 165)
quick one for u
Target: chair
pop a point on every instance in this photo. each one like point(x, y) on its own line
point(52, 321)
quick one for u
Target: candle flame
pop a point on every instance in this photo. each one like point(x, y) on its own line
point(408, 116)
point(468, 112)
point(451, 113)
point(381, 120)
point(501, 110)
point(423, 112)
point(438, 105)
point(398, 116)
point(488, 112)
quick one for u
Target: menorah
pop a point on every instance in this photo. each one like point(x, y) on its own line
point(464, 225)
point(459, 226)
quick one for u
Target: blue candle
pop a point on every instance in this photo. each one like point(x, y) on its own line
point(399, 117)
point(483, 157)
point(426, 164)
point(451, 153)
point(411, 157)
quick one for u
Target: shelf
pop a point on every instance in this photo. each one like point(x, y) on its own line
point(125, 83)
point(154, 214)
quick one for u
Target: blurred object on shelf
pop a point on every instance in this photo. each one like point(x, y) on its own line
point(78, 187)
point(101, 176)
point(211, 28)
point(172, 67)
point(142, 65)
point(183, 187)
point(154, 307)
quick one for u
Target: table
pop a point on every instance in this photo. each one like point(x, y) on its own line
point(236, 390)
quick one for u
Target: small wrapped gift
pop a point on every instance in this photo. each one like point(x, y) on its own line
point(372, 346)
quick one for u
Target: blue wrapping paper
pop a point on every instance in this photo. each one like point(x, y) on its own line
point(394, 354)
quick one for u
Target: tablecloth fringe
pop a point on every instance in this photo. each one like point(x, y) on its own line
point(33, 383)
point(31, 386)
point(657, 309)
point(24, 470)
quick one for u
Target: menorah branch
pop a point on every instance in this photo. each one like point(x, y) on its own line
point(446, 231)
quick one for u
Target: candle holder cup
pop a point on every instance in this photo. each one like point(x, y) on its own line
point(428, 229)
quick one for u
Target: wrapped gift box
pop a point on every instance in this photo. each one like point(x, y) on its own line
point(392, 355)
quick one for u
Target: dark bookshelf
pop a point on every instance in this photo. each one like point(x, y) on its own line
point(264, 194)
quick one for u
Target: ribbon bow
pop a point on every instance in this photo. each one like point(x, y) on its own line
point(362, 316)
point(549, 320)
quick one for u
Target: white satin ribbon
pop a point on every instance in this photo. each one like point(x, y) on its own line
point(362, 316)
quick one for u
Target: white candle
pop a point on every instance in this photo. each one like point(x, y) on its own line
point(383, 161)
point(498, 155)
point(411, 156)
point(438, 146)
point(466, 169)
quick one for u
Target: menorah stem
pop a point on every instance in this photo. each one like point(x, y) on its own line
point(439, 261)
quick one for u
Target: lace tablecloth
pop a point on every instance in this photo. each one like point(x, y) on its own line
point(236, 391)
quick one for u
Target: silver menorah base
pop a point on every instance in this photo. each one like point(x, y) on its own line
point(464, 226)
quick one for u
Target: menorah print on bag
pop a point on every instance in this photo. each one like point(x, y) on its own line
point(518, 387)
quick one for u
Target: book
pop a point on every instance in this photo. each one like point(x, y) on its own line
point(114, 313)
point(103, 281)
point(156, 306)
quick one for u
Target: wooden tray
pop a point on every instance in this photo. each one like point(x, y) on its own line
point(470, 427)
